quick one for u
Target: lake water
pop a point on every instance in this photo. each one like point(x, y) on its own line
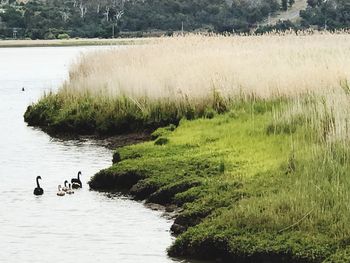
point(85, 227)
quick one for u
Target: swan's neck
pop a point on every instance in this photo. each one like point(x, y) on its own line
point(65, 184)
point(37, 182)
point(79, 176)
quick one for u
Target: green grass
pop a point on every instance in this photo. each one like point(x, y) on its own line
point(86, 113)
point(247, 193)
point(253, 184)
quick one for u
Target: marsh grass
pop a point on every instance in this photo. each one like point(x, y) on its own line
point(262, 170)
point(245, 193)
point(122, 89)
point(96, 113)
point(248, 189)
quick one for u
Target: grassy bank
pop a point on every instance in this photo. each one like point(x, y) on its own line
point(71, 42)
point(257, 153)
point(249, 189)
point(94, 114)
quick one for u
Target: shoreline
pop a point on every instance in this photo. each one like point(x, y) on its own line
point(110, 142)
point(172, 178)
point(179, 194)
point(73, 42)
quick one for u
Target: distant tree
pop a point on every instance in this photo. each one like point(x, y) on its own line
point(97, 18)
point(285, 5)
point(312, 3)
point(13, 17)
point(330, 14)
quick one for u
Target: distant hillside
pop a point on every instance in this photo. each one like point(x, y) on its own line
point(292, 13)
point(100, 18)
point(52, 19)
point(330, 14)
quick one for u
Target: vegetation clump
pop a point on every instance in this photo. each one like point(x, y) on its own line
point(161, 141)
point(89, 114)
point(163, 131)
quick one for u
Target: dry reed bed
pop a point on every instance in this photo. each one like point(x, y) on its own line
point(190, 68)
point(265, 66)
point(185, 76)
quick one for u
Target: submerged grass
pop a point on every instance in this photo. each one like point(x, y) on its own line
point(257, 156)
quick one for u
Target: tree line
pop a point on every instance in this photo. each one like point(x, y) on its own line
point(327, 14)
point(97, 18)
point(50, 19)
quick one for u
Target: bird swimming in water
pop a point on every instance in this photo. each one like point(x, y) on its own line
point(38, 190)
point(76, 183)
point(60, 192)
point(23, 89)
point(65, 187)
point(70, 191)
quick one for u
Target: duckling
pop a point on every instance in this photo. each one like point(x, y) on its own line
point(70, 191)
point(65, 188)
point(60, 192)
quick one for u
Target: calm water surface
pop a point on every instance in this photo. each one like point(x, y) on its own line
point(85, 227)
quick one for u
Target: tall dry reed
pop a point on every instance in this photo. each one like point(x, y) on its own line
point(266, 66)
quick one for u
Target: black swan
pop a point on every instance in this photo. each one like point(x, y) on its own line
point(38, 190)
point(60, 192)
point(65, 188)
point(76, 183)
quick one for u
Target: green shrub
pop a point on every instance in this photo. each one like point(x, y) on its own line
point(63, 36)
point(209, 113)
point(161, 141)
